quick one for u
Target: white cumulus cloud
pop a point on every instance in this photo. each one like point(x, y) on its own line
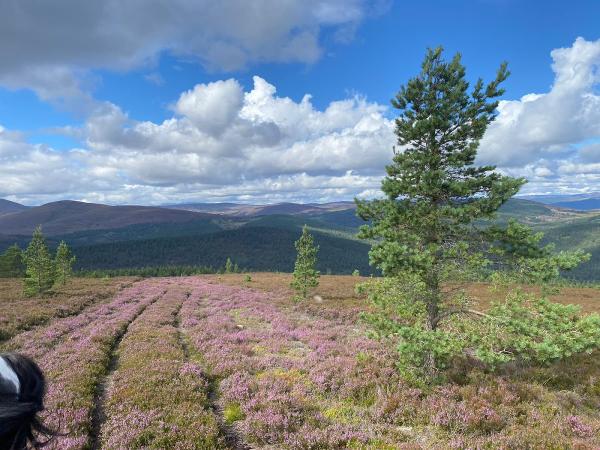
point(227, 143)
point(221, 143)
point(548, 124)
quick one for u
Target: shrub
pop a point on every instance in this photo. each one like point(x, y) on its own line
point(232, 413)
point(523, 328)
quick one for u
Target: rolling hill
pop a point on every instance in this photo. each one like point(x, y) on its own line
point(579, 233)
point(8, 207)
point(70, 216)
point(582, 202)
point(587, 204)
point(253, 248)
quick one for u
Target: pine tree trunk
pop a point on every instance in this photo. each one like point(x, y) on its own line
point(433, 298)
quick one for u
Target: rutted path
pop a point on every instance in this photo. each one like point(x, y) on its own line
point(73, 352)
point(155, 389)
point(22, 315)
point(231, 436)
point(181, 338)
point(41, 338)
point(99, 411)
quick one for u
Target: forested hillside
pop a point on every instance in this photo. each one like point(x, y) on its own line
point(252, 248)
point(253, 239)
point(580, 233)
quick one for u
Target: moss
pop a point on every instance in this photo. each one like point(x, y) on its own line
point(259, 349)
point(341, 413)
point(232, 413)
point(291, 376)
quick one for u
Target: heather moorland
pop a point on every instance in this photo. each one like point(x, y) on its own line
point(222, 362)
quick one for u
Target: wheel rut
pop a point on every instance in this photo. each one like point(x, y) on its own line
point(180, 333)
point(100, 396)
point(231, 436)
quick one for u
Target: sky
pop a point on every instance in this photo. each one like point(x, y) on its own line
point(266, 101)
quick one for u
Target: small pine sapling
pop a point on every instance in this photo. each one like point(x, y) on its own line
point(229, 266)
point(39, 273)
point(305, 276)
point(63, 262)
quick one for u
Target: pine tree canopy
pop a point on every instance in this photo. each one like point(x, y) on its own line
point(433, 227)
point(436, 197)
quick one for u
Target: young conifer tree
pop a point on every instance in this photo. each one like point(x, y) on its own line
point(63, 262)
point(11, 262)
point(427, 228)
point(228, 266)
point(305, 274)
point(39, 273)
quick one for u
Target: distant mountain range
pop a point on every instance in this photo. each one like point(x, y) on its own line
point(241, 210)
point(580, 202)
point(257, 237)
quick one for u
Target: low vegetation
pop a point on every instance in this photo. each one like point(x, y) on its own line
point(18, 314)
point(157, 397)
point(516, 407)
point(74, 353)
point(262, 370)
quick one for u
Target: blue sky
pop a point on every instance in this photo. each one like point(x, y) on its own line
point(90, 103)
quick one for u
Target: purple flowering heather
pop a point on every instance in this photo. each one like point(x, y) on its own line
point(288, 372)
point(185, 363)
point(73, 353)
point(156, 398)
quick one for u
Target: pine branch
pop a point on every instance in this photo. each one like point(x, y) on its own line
point(452, 311)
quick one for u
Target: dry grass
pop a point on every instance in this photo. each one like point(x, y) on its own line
point(337, 291)
point(588, 298)
point(19, 313)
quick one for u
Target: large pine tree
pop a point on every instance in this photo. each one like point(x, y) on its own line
point(427, 228)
